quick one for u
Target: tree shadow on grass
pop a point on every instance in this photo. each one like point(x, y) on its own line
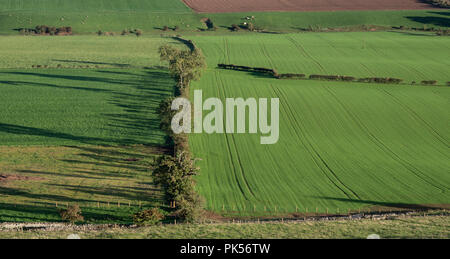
point(47, 212)
point(119, 65)
point(138, 98)
point(440, 21)
point(120, 192)
point(391, 205)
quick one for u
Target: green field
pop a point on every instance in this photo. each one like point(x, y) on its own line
point(82, 129)
point(78, 120)
point(81, 51)
point(342, 145)
point(150, 16)
point(108, 183)
point(75, 136)
point(82, 106)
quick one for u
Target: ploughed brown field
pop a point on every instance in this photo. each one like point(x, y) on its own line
point(225, 6)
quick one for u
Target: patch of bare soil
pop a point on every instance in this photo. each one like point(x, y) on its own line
point(13, 177)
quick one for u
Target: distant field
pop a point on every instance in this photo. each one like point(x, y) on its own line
point(342, 145)
point(88, 17)
point(223, 6)
point(81, 51)
point(153, 6)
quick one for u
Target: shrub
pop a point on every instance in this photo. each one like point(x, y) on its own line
point(190, 207)
point(235, 27)
point(429, 82)
point(148, 217)
point(210, 25)
point(291, 76)
point(71, 214)
point(380, 80)
point(250, 26)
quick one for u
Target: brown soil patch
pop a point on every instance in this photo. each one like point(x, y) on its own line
point(13, 177)
point(228, 6)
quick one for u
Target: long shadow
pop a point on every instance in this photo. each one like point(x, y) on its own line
point(440, 21)
point(120, 192)
point(75, 78)
point(394, 205)
point(19, 83)
point(30, 131)
point(120, 65)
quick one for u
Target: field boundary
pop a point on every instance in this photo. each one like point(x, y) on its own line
point(274, 74)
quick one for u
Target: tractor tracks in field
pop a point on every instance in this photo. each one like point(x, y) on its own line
point(226, 51)
point(266, 53)
point(418, 118)
point(315, 155)
point(302, 50)
point(230, 145)
point(374, 139)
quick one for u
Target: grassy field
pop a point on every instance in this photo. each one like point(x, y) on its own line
point(152, 16)
point(74, 136)
point(409, 56)
point(82, 106)
point(342, 145)
point(82, 129)
point(400, 228)
point(81, 51)
point(108, 183)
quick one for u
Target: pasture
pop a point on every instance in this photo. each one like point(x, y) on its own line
point(88, 17)
point(398, 228)
point(224, 6)
point(343, 146)
point(80, 129)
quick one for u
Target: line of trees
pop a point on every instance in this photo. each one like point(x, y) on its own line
point(47, 30)
point(175, 172)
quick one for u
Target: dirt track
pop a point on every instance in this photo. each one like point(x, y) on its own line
point(225, 6)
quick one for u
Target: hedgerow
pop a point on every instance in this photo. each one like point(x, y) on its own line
point(175, 171)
